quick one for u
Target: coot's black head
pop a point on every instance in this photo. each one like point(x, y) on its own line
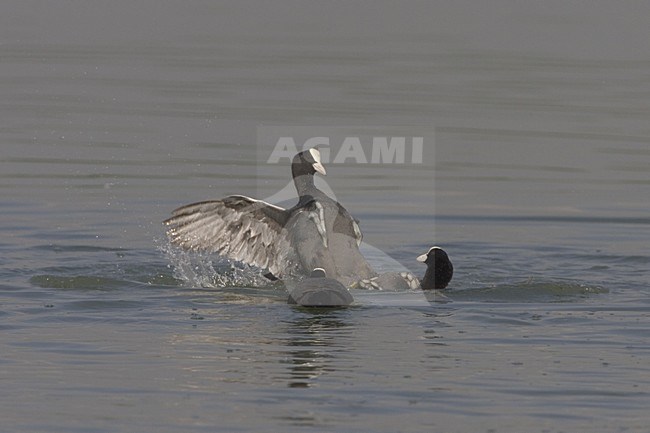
point(307, 162)
point(319, 291)
point(439, 269)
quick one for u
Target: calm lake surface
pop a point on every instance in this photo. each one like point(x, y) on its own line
point(534, 179)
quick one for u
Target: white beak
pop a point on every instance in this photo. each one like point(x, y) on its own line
point(422, 258)
point(319, 168)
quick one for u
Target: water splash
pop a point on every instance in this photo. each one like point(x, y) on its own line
point(200, 269)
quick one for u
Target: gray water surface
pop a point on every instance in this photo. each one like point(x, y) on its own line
point(114, 114)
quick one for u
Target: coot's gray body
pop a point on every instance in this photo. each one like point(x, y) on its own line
point(318, 232)
point(437, 276)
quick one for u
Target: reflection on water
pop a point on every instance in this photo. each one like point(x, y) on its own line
point(314, 341)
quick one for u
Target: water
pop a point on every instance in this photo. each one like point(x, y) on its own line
point(113, 116)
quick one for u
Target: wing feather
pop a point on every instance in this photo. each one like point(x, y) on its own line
point(237, 227)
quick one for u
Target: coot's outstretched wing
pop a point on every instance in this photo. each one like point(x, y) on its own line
point(237, 227)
